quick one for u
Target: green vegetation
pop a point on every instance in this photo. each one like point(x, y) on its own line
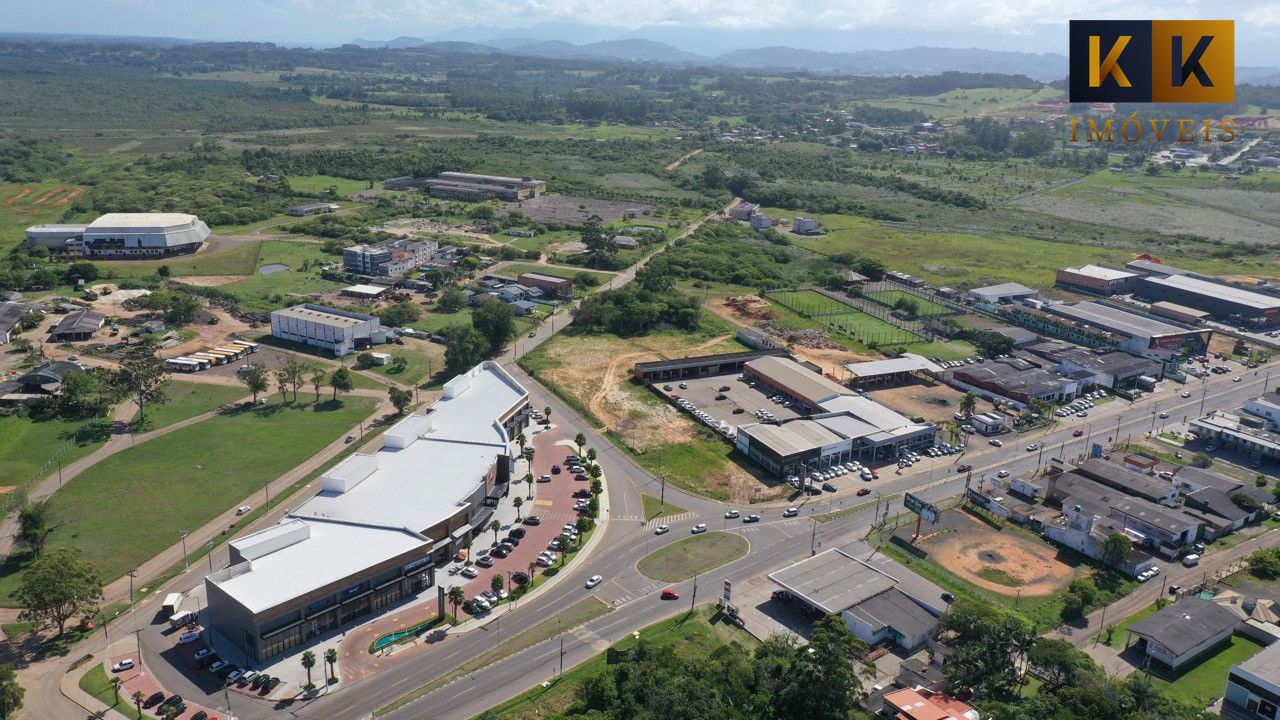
point(189, 399)
point(419, 363)
point(96, 683)
point(693, 555)
point(654, 508)
point(569, 273)
point(1201, 681)
point(688, 465)
point(26, 445)
point(998, 576)
point(181, 480)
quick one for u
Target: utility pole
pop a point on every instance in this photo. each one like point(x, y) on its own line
point(132, 575)
point(813, 539)
point(185, 560)
point(693, 596)
point(1103, 626)
point(562, 655)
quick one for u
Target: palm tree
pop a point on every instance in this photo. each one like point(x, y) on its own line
point(138, 697)
point(496, 584)
point(116, 684)
point(331, 657)
point(308, 662)
point(456, 598)
point(169, 712)
point(968, 403)
point(528, 480)
point(521, 441)
point(517, 502)
point(579, 440)
point(495, 526)
point(591, 454)
point(546, 412)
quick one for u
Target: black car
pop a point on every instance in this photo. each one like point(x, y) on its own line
point(555, 469)
point(738, 411)
point(485, 562)
point(518, 532)
point(506, 545)
point(258, 681)
point(532, 520)
point(582, 493)
point(202, 715)
point(511, 540)
point(520, 578)
point(154, 698)
point(828, 487)
point(580, 477)
point(499, 552)
point(173, 700)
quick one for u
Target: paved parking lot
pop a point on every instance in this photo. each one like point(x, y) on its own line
point(139, 680)
point(739, 395)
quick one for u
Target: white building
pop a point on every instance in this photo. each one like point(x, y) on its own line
point(804, 226)
point(1253, 686)
point(761, 222)
point(380, 524)
point(341, 331)
point(1002, 293)
point(126, 235)
point(1266, 408)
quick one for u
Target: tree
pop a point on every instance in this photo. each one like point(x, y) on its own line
point(456, 598)
point(495, 526)
point(528, 480)
point(1116, 549)
point(331, 658)
point(398, 364)
point(317, 377)
point(138, 696)
point(399, 398)
point(81, 270)
point(294, 374)
point(341, 381)
point(821, 682)
point(1265, 563)
point(579, 440)
point(84, 395)
point(464, 347)
point(989, 643)
point(116, 683)
point(34, 526)
point(451, 300)
point(1058, 662)
point(495, 320)
point(969, 403)
point(400, 314)
point(11, 693)
point(163, 271)
point(254, 378)
point(546, 413)
point(496, 584)
point(591, 454)
point(1245, 502)
point(308, 662)
point(58, 586)
point(517, 502)
point(142, 376)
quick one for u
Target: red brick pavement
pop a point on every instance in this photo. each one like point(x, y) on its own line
point(138, 679)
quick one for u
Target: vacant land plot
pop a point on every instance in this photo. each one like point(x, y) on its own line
point(22, 206)
point(693, 555)
point(422, 358)
point(934, 401)
point(301, 278)
point(189, 399)
point(133, 504)
point(576, 210)
point(560, 271)
point(26, 446)
point(972, 549)
point(845, 319)
point(320, 183)
point(220, 256)
point(971, 101)
point(655, 508)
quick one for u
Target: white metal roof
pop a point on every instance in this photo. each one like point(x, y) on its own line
point(333, 551)
point(1229, 293)
point(1009, 289)
point(798, 380)
point(140, 222)
point(909, 362)
point(365, 289)
point(1102, 273)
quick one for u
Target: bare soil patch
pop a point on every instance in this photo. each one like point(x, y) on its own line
point(210, 280)
point(966, 546)
point(934, 401)
point(574, 210)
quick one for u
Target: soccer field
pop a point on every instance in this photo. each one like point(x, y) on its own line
point(844, 319)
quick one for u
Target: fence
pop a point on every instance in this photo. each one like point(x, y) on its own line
point(865, 321)
point(53, 464)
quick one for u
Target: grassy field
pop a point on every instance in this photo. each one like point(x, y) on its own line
point(696, 634)
point(654, 508)
point(970, 101)
point(561, 271)
point(188, 399)
point(424, 359)
point(96, 683)
point(807, 309)
point(235, 259)
point(926, 307)
point(693, 555)
point(262, 293)
point(321, 183)
point(22, 206)
point(129, 507)
point(26, 445)
point(1205, 679)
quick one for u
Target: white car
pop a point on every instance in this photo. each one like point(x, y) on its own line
point(593, 581)
point(790, 512)
point(1003, 474)
point(123, 665)
point(1186, 394)
point(731, 514)
point(242, 509)
point(699, 528)
point(470, 573)
point(661, 529)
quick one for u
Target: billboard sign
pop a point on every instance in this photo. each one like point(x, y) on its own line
point(927, 511)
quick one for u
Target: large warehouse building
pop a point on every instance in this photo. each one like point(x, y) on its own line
point(1097, 279)
point(126, 235)
point(380, 524)
point(1146, 336)
point(1224, 302)
point(340, 331)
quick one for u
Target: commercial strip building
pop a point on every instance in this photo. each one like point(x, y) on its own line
point(1098, 368)
point(380, 524)
point(1180, 313)
point(1253, 686)
point(877, 598)
point(1138, 334)
point(1182, 631)
point(804, 387)
point(1015, 381)
point(1097, 279)
point(894, 370)
point(700, 366)
point(341, 331)
point(1002, 293)
point(126, 235)
point(388, 258)
point(562, 287)
point(1224, 302)
point(1239, 432)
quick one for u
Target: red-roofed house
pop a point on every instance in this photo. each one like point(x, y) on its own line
point(913, 705)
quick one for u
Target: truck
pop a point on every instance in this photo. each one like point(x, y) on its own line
point(171, 603)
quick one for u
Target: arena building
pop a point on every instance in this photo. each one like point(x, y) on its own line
point(126, 235)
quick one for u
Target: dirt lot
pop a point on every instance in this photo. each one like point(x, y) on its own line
point(971, 549)
point(597, 371)
point(574, 210)
point(932, 400)
point(212, 280)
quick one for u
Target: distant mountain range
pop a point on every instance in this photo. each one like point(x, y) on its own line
point(911, 61)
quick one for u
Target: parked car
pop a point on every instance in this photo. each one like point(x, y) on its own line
point(125, 664)
point(1003, 474)
point(242, 510)
point(188, 637)
point(202, 653)
point(153, 699)
point(520, 578)
point(828, 487)
point(484, 562)
point(214, 668)
point(532, 520)
point(470, 573)
point(234, 675)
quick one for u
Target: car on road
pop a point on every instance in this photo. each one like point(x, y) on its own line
point(1077, 433)
point(1236, 379)
point(667, 387)
point(593, 581)
point(963, 468)
point(995, 443)
point(470, 573)
point(125, 664)
point(731, 514)
point(242, 509)
point(863, 491)
point(684, 386)
point(790, 512)
point(670, 594)
point(699, 528)
point(1003, 474)
point(1186, 394)
point(1164, 415)
point(532, 520)
point(533, 333)
point(1033, 447)
point(751, 518)
point(661, 529)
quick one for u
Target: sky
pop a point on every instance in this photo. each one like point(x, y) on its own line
point(703, 26)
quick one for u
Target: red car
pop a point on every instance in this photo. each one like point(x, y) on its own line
point(670, 594)
point(863, 491)
point(1077, 433)
point(964, 468)
point(875, 475)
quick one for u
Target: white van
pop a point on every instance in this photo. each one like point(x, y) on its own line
point(1191, 560)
